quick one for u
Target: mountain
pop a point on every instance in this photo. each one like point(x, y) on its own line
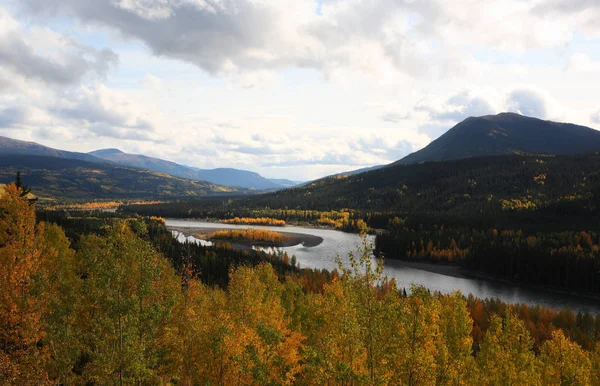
point(507, 133)
point(476, 186)
point(220, 176)
point(237, 177)
point(16, 147)
point(145, 162)
point(64, 178)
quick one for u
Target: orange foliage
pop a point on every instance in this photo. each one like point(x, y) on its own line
point(21, 259)
point(255, 221)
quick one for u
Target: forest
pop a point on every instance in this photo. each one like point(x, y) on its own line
point(119, 301)
point(525, 218)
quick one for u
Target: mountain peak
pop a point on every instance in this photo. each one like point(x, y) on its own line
point(507, 133)
point(105, 152)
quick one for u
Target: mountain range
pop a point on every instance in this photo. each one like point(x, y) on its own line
point(66, 178)
point(488, 136)
point(15, 147)
point(219, 176)
point(222, 176)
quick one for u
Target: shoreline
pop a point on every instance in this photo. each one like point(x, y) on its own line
point(292, 239)
point(441, 269)
point(464, 273)
point(450, 270)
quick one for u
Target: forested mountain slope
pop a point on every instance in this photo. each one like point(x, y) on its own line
point(475, 185)
point(16, 147)
point(63, 178)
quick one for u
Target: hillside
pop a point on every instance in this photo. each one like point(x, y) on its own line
point(468, 187)
point(16, 147)
point(220, 176)
point(507, 133)
point(63, 178)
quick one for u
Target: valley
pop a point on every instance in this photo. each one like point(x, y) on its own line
point(508, 237)
point(299, 193)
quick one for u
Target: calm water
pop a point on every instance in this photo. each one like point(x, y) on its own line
point(336, 243)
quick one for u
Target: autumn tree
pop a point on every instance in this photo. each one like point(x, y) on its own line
point(196, 337)
point(454, 358)
point(415, 347)
point(334, 351)
point(506, 356)
point(265, 349)
point(128, 293)
point(595, 359)
point(363, 281)
point(22, 356)
point(565, 362)
point(62, 286)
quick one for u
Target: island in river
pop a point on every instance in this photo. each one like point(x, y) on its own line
point(289, 239)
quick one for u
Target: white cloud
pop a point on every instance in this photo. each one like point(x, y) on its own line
point(595, 118)
point(527, 102)
point(374, 37)
point(535, 103)
point(39, 53)
point(458, 107)
point(582, 63)
point(272, 86)
point(152, 82)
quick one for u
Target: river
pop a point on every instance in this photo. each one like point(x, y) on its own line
point(340, 244)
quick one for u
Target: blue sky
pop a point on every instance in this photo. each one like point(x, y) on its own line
point(290, 89)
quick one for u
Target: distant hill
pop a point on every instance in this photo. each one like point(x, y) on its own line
point(507, 133)
point(220, 176)
point(145, 162)
point(64, 178)
point(489, 185)
point(14, 146)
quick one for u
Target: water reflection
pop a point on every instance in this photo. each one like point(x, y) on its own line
point(340, 244)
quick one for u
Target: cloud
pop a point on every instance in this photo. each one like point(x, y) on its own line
point(582, 63)
point(329, 158)
point(378, 38)
point(152, 82)
point(458, 107)
point(39, 53)
point(527, 102)
point(583, 12)
point(104, 113)
point(394, 117)
point(97, 105)
point(595, 117)
point(381, 146)
point(12, 116)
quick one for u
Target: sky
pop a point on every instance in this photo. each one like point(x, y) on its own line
point(292, 89)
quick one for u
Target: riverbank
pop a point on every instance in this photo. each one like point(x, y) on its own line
point(464, 273)
point(291, 239)
point(441, 269)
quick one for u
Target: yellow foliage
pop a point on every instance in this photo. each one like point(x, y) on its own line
point(255, 221)
point(249, 235)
